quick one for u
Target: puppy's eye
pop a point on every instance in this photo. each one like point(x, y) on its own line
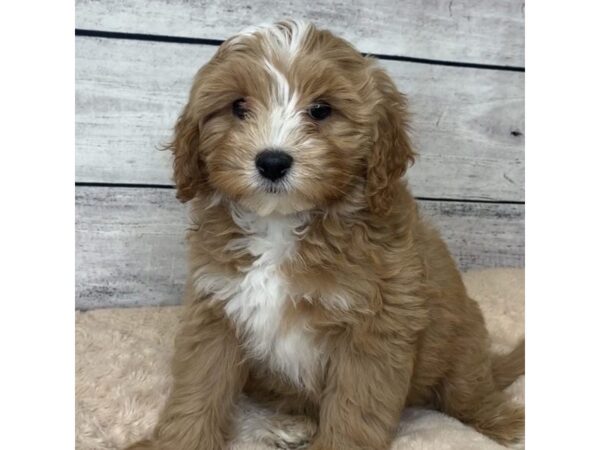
point(239, 108)
point(319, 111)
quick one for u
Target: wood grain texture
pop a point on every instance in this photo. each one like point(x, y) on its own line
point(129, 247)
point(130, 242)
point(468, 124)
point(477, 31)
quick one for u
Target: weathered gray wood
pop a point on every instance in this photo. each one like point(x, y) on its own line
point(130, 242)
point(467, 123)
point(129, 247)
point(480, 31)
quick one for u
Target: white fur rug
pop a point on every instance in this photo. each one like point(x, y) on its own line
point(123, 374)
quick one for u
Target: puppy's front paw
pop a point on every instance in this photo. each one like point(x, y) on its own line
point(338, 443)
point(146, 444)
point(291, 434)
point(319, 444)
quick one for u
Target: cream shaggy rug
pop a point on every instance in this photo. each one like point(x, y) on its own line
point(123, 375)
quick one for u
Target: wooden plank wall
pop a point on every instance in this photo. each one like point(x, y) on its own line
point(459, 62)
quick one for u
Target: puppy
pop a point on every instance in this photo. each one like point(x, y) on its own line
point(319, 303)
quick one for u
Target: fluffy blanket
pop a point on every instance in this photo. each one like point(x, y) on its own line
point(123, 375)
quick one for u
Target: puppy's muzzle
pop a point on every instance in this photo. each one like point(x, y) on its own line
point(273, 164)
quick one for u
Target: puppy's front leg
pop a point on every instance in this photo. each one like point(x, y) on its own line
point(367, 386)
point(208, 377)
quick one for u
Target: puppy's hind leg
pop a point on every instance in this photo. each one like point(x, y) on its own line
point(255, 423)
point(506, 368)
point(499, 418)
point(472, 394)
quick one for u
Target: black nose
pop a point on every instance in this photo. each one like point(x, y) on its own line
point(273, 164)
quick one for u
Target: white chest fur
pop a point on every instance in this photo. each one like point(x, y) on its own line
point(256, 300)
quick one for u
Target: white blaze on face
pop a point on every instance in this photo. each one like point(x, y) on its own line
point(282, 44)
point(283, 41)
point(284, 116)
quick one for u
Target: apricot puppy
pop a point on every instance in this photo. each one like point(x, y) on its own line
point(319, 303)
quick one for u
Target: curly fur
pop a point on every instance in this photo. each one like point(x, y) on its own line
point(325, 296)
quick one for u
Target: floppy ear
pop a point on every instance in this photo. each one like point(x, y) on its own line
point(189, 168)
point(189, 171)
point(392, 151)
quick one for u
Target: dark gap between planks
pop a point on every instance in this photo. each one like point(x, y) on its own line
point(216, 42)
point(170, 186)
